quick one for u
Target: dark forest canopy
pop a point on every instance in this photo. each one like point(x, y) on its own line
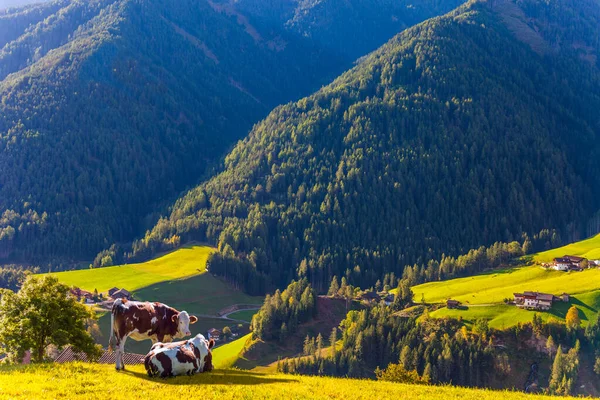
point(459, 132)
point(110, 108)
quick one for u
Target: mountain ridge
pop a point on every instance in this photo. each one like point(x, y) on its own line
point(452, 135)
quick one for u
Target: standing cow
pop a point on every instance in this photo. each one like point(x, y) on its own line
point(144, 320)
point(180, 358)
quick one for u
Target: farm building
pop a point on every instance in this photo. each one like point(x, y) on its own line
point(370, 296)
point(214, 333)
point(534, 300)
point(388, 299)
point(112, 291)
point(452, 303)
point(570, 263)
point(121, 294)
point(80, 293)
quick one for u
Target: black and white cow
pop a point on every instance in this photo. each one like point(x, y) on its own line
point(180, 358)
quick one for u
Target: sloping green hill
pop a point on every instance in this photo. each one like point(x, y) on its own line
point(183, 263)
point(178, 279)
point(483, 295)
point(589, 248)
point(455, 134)
point(94, 381)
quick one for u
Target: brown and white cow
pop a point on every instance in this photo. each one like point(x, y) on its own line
point(144, 320)
point(180, 358)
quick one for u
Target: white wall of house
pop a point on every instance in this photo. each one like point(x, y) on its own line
point(561, 267)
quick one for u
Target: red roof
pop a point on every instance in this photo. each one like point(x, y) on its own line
point(68, 355)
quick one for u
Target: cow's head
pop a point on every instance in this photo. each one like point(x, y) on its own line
point(183, 321)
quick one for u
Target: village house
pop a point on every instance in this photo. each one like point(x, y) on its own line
point(389, 299)
point(214, 333)
point(452, 303)
point(112, 291)
point(82, 294)
point(370, 296)
point(561, 264)
point(569, 263)
point(121, 294)
point(534, 300)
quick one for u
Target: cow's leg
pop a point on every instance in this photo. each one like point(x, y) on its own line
point(122, 352)
point(117, 349)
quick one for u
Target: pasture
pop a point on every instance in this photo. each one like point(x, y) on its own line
point(179, 279)
point(182, 263)
point(482, 295)
point(243, 315)
point(588, 248)
point(96, 381)
point(494, 286)
point(228, 354)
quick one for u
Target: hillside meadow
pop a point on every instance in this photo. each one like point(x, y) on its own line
point(179, 279)
point(483, 295)
point(182, 263)
point(96, 381)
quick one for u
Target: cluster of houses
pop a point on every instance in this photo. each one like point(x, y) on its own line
point(91, 298)
point(572, 263)
point(216, 334)
point(374, 297)
point(538, 301)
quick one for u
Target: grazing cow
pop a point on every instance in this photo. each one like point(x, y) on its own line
point(144, 320)
point(180, 358)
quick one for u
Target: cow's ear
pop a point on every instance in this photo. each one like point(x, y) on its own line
point(193, 319)
point(211, 343)
point(174, 317)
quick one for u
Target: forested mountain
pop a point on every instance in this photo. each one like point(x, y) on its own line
point(110, 107)
point(17, 3)
point(463, 130)
point(351, 28)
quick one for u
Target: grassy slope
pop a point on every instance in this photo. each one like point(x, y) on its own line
point(178, 279)
point(182, 263)
point(588, 248)
point(227, 355)
point(493, 287)
point(94, 381)
point(244, 315)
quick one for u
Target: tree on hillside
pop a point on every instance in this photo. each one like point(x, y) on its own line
point(550, 345)
point(41, 314)
point(572, 319)
point(227, 333)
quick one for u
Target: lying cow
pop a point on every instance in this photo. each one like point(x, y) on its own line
point(143, 320)
point(180, 358)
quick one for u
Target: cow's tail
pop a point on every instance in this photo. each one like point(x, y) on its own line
point(114, 311)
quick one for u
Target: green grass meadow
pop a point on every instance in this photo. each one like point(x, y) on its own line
point(482, 295)
point(588, 248)
point(178, 279)
point(243, 315)
point(97, 381)
point(182, 263)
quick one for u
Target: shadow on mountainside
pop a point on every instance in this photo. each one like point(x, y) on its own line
point(216, 377)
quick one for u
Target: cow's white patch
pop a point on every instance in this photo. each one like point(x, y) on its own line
point(185, 367)
point(136, 317)
point(154, 320)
